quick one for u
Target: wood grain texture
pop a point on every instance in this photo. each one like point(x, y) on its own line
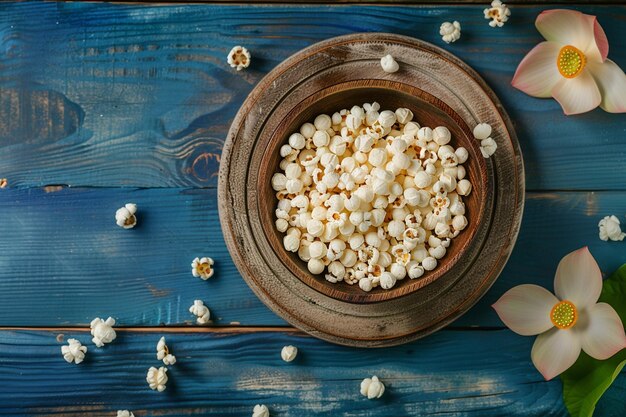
point(63, 260)
point(157, 98)
point(227, 374)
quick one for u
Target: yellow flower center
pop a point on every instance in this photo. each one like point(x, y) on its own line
point(564, 314)
point(570, 61)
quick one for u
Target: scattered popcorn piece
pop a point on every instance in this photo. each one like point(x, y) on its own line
point(372, 388)
point(125, 216)
point(163, 353)
point(157, 378)
point(102, 331)
point(498, 13)
point(609, 229)
point(450, 32)
point(200, 311)
point(74, 352)
point(289, 353)
point(389, 64)
point(239, 58)
point(202, 268)
point(124, 413)
point(260, 410)
point(488, 147)
point(482, 131)
point(3, 182)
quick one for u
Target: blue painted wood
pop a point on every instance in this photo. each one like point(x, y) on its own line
point(456, 373)
point(119, 95)
point(63, 260)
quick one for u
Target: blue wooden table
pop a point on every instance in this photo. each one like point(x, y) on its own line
point(104, 104)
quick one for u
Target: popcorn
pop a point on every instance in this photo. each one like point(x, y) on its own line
point(125, 216)
point(482, 131)
point(488, 147)
point(372, 388)
point(124, 413)
point(163, 353)
point(389, 64)
point(202, 268)
point(368, 196)
point(498, 13)
point(239, 58)
point(260, 410)
point(609, 229)
point(201, 312)
point(289, 353)
point(102, 331)
point(157, 378)
point(450, 32)
point(74, 351)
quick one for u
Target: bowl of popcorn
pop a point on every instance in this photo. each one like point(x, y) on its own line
point(361, 194)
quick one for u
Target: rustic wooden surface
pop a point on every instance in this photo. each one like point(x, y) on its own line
point(124, 103)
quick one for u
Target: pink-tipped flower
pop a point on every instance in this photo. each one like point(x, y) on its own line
point(572, 65)
point(568, 322)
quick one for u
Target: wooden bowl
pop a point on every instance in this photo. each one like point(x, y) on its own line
point(328, 98)
point(338, 73)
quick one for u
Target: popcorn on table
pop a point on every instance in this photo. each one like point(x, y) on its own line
point(289, 353)
point(372, 388)
point(74, 351)
point(260, 410)
point(163, 353)
point(200, 311)
point(239, 58)
point(202, 268)
point(389, 64)
point(609, 229)
point(124, 413)
point(450, 32)
point(102, 331)
point(370, 197)
point(498, 13)
point(157, 378)
point(125, 216)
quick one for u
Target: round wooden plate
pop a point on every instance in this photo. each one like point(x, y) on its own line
point(338, 73)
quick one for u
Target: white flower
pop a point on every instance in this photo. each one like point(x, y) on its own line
point(498, 13)
point(157, 378)
point(372, 388)
point(200, 311)
point(567, 323)
point(239, 58)
point(609, 228)
point(74, 352)
point(102, 331)
point(289, 353)
point(125, 216)
point(202, 268)
point(124, 413)
point(389, 64)
point(163, 353)
point(450, 32)
point(260, 410)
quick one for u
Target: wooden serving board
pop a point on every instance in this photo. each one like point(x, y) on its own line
point(351, 63)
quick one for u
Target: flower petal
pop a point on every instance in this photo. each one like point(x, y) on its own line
point(601, 331)
point(554, 351)
point(537, 74)
point(578, 279)
point(569, 27)
point(525, 309)
point(577, 95)
point(611, 81)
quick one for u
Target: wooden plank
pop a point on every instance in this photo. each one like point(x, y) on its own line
point(62, 256)
point(456, 373)
point(121, 95)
